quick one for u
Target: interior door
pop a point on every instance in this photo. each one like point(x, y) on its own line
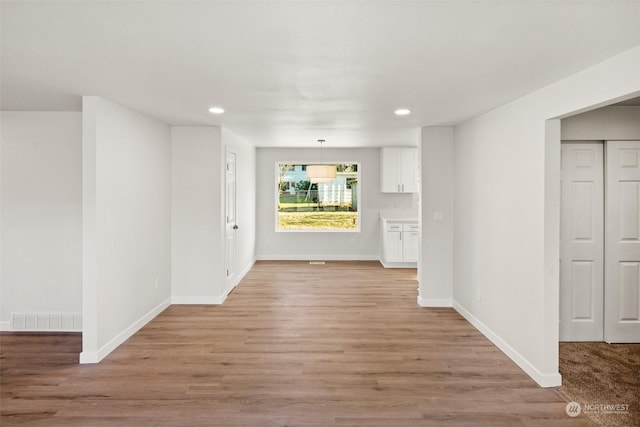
point(231, 222)
point(582, 242)
point(622, 270)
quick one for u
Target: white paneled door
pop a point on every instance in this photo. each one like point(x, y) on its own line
point(582, 242)
point(622, 269)
point(231, 221)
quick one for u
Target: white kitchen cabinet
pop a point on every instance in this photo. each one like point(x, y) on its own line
point(400, 240)
point(392, 242)
point(410, 239)
point(398, 170)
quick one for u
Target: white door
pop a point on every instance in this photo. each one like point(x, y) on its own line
point(231, 222)
point(582, 242)
point(622, 270)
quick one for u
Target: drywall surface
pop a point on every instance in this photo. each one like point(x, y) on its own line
point(126, 223)
point(612, 123)
point(41, 229)
point(436, 213)
point(197, 241)
point(506, 234)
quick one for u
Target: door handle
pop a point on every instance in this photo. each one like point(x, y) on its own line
point(235, 227)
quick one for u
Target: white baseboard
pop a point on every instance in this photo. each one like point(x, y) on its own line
point(97, 356)
point(325, 257)
point(543, 380)
point(435, 302)
point(246, 269)
point(241, 275)
point(5, 326)
point(387, 264)
point(210, 300)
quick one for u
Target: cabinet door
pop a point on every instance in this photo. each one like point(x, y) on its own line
point(410, 246)
point(408, 170)
point(393, 246)
point(389, 182)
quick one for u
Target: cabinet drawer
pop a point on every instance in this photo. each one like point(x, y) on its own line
point(392, 226)
point(410, 227)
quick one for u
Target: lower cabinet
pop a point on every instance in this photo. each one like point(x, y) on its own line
point(400, 240)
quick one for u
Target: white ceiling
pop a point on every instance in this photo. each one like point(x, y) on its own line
point(288, 72)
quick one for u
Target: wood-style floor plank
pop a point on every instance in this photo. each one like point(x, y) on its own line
point(338, 344)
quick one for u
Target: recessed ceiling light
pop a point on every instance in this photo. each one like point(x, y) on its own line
point(216, 110)
point(402, 112)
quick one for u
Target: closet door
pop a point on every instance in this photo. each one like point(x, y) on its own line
point(622, 270)
point(582, 242)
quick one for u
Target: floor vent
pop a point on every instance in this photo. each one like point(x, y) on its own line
point(61, 322)
point(316, 262)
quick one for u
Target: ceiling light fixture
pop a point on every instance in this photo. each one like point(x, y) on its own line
point(321, 172)
point(402, 112)
point(216, 110)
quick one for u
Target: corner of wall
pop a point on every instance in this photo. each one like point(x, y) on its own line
point(436, 216)
point(543, 379)
point(95, 356)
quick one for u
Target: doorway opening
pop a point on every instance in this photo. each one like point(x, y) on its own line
point(599, 298)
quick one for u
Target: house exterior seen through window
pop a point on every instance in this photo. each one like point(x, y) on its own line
point(303, 204)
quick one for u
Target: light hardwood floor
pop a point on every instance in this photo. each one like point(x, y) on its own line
point(295, 344)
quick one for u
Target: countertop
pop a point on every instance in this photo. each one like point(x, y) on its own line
point(399, 215)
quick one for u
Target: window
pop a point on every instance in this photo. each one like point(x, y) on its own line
point(303, 205)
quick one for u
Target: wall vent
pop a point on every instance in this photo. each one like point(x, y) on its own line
point(59, 322)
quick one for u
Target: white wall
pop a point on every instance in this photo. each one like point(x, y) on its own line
point(41, 229)
point(126, 224)
point(197, 239)
point(436, 254)
point(612, 123)
point(324, 245)
point(507, 212)
point(245, 200)
point(198, 244)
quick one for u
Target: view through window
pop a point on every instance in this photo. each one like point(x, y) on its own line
point(306, 204)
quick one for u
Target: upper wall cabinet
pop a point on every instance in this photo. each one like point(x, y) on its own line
point(398, 170)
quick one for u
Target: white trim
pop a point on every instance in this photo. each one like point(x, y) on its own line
point(387, 264)
point(435, 302)
point(9, 329)
point(5, 326)
point(204, 299)
point(543, 379)
point(327, 257)
point(97, 356)
point(245, 270)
